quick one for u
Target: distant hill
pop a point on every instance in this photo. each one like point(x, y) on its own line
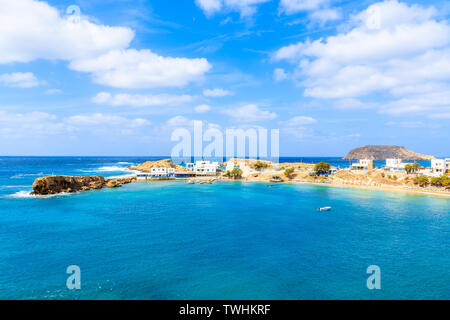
point(385, 152)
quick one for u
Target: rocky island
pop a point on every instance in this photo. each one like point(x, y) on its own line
point(385, 152)
point(68, 184)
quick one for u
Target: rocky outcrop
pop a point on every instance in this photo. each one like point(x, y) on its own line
point(116, 183)
point(385, 152)
point(59, 184)
point(166, 163)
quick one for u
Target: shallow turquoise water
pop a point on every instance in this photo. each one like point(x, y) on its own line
point(171, 240)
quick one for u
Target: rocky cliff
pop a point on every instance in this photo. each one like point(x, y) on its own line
point(385, 152)
point(166, 163)
point(58, 184)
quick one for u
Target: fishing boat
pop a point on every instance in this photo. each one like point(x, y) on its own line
point(190, 182)
point(324, 209)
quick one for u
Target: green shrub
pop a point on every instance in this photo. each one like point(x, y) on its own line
point(322, 166)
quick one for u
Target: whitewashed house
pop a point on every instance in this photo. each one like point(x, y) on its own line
point(206, 168)
point(395, 165)
point(162, 172)
point(364, 164)
point(440, 166)
point(203, 168)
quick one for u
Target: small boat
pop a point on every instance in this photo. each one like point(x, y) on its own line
point(324, 209)
point(190, 182)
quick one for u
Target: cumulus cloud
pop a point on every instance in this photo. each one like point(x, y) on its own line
point(394, 48)
point(142, 69)
point(19, 79)
point(42, 124)
point(100, 119)
point(250, 113)
point(209, 7)
point(244, 7)
point(31, 30)
point(178, 121)
point(300, 121)
point(279, 74)
point(325, 15)
point(202, 108)
point(140, 100)
point(294, 6)
point(216, 93)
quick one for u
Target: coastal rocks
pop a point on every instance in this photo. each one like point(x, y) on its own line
point(166, 163)
point(385, 152)
point(68, 184)
point(116, 183)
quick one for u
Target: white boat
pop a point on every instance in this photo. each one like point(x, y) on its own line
point(190, 182)
point(324, 209)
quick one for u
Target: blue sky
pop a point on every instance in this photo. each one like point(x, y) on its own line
point(116, 80)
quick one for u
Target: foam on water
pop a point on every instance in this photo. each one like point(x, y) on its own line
point(27, 195)
point(23, 175)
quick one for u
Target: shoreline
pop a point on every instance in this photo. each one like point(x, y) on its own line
point(441, 194)
point(382, 188)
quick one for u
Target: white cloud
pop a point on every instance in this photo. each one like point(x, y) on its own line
point(392, 48)
point(325, 15)
point(250, 113)
point(279, 74)
point(202, 108)
point(19, 79)
point(32, 125)
point(100, 119)
point(53, 91)
point(216, 93)
point(178, 121)
point(300, 121)
point(405, 124)
point(142, 69)
point(31, 30)
point(444, 115)
point(140, 100)
point(246, 8)
point(209, 7)
point(294, 6)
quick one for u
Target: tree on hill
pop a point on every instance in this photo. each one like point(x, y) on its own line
point(260, 165)
point(322, 166)
point(422, 180)
point(288, 172)
point(442, 181)
point(408, 168)
point(235, 173)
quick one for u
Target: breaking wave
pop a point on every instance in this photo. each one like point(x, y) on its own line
point(22, 175)
point(27, 195)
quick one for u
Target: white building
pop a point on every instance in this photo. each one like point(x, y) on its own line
point(364, 164)
point(440, 166)
point(162, 172)
point(203, 168)
point(395, 165)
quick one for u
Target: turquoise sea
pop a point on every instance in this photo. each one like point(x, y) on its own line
point(171, 240)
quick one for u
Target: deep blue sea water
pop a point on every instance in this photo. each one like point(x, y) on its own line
point(170, 240)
